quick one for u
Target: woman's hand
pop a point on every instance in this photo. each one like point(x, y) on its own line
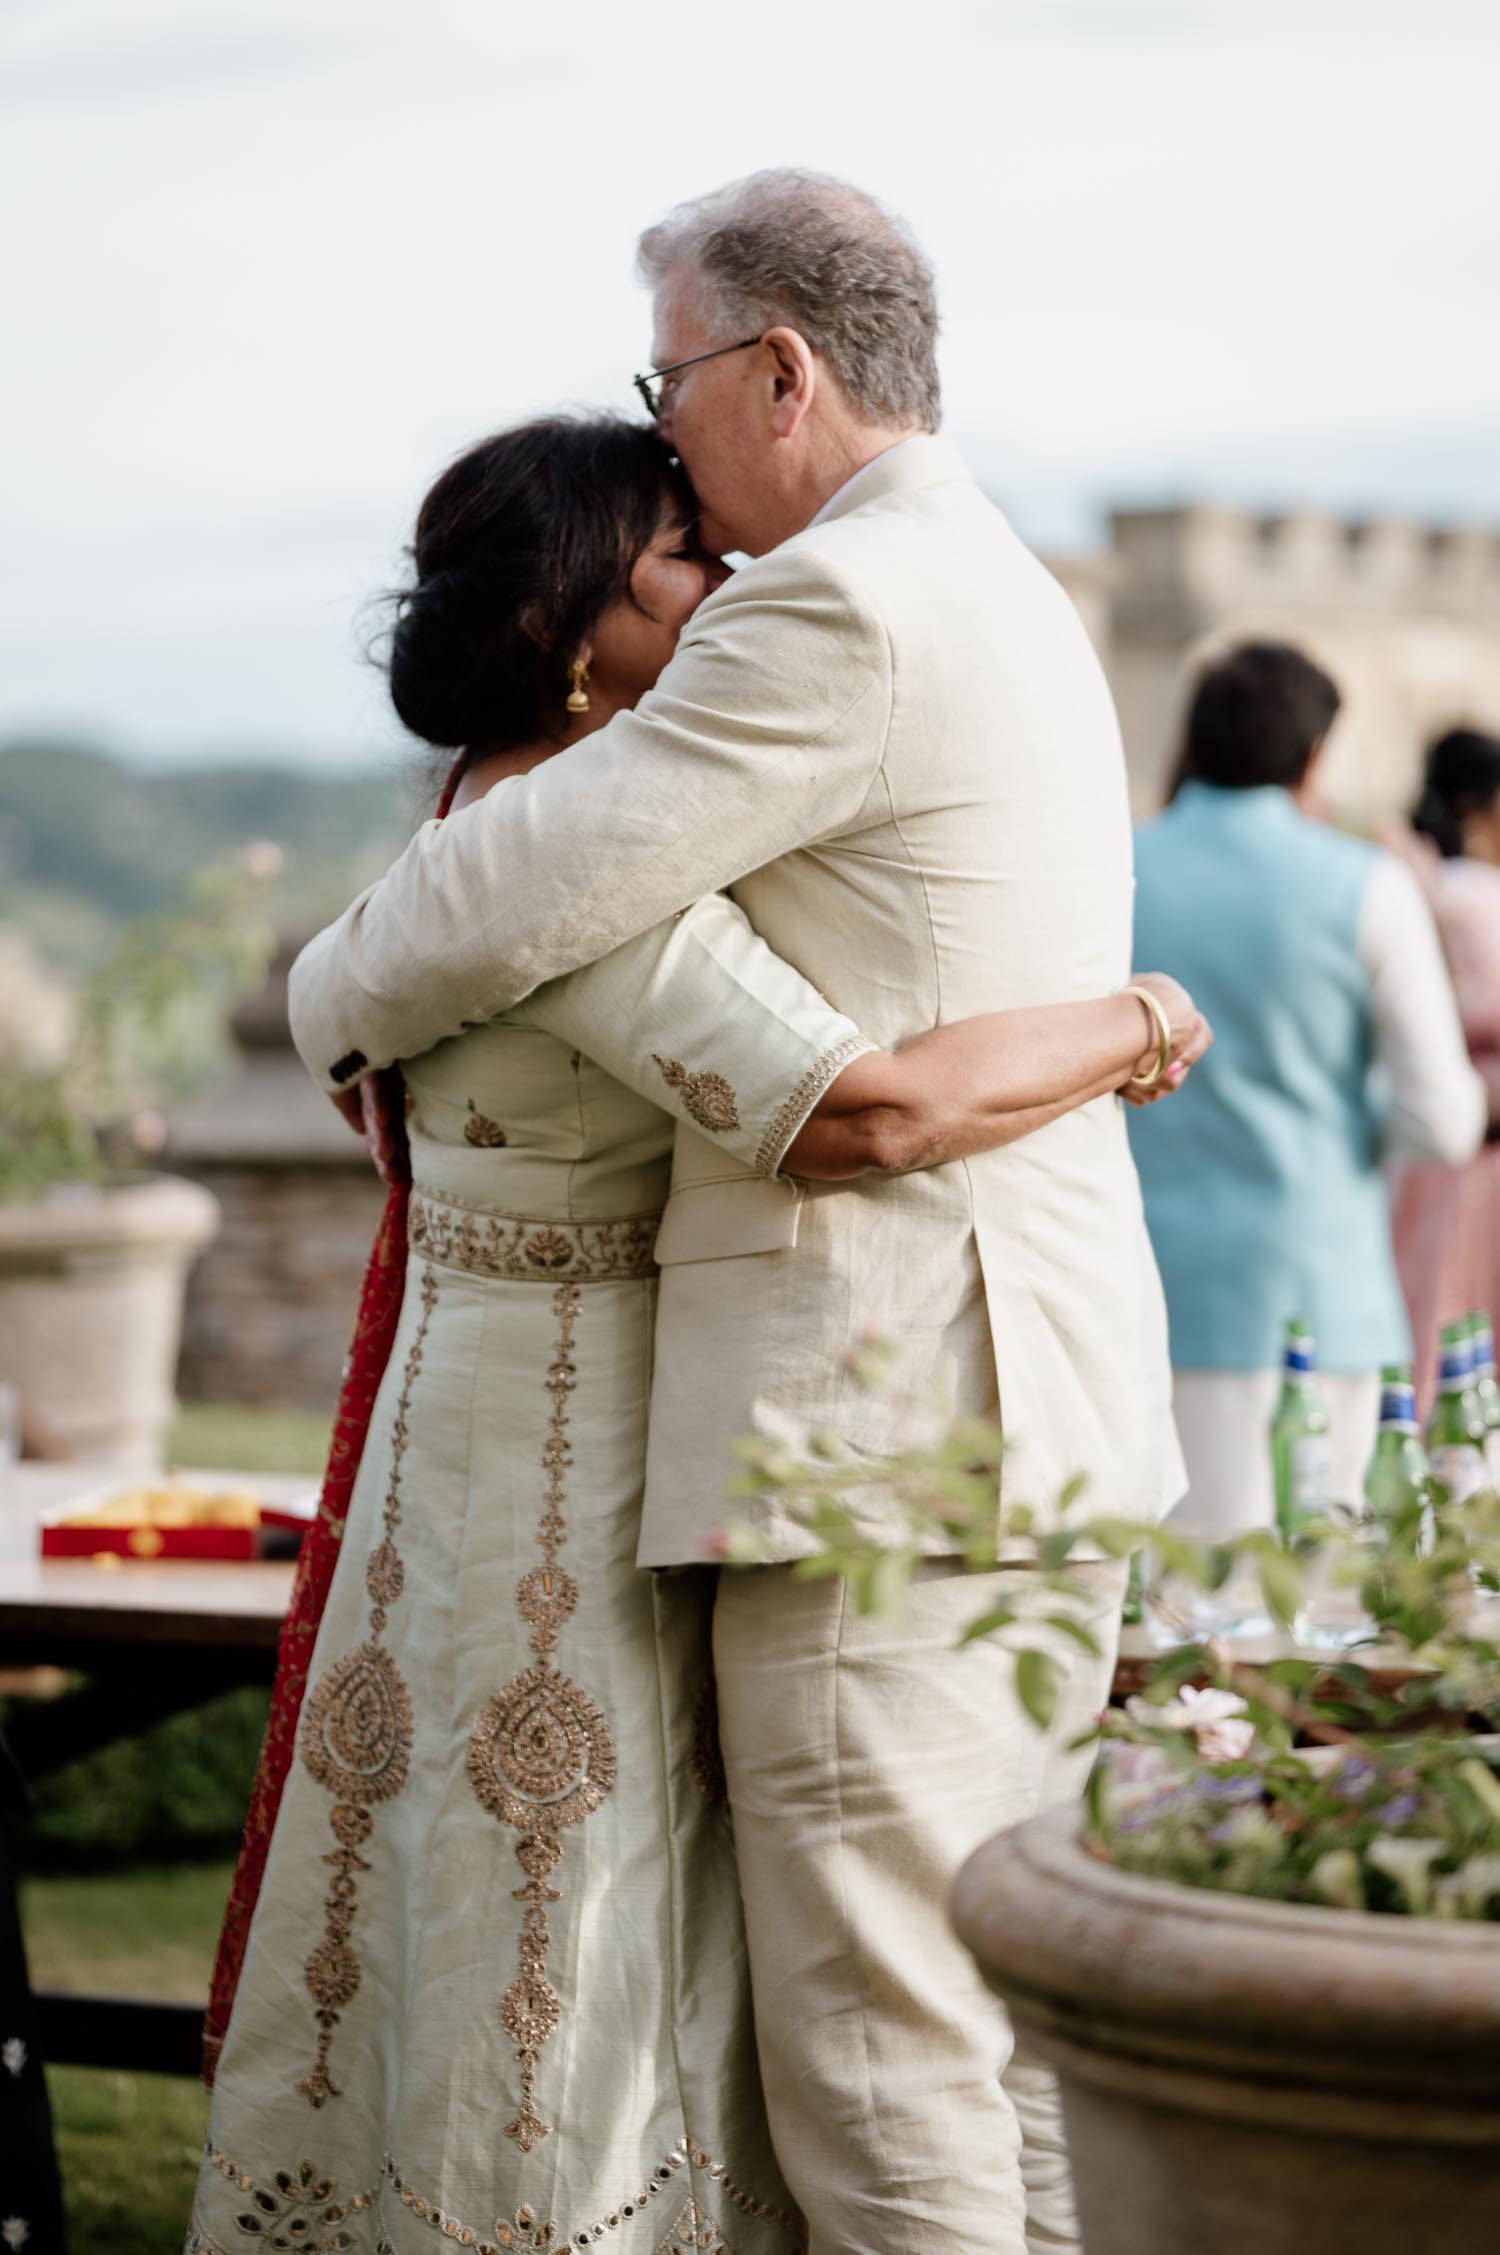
point(1191, 1035)
point(375, 1108)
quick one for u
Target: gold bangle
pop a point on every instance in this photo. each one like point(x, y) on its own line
point(1163, 1025)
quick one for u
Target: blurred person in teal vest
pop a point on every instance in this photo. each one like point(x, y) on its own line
point(1337, 1047)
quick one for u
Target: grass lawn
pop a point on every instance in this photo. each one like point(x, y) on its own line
point(129, 2144)
point(148, 1931)
point(228, 1437)
point(128, 2147)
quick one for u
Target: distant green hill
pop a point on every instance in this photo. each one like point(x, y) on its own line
point(86, 842)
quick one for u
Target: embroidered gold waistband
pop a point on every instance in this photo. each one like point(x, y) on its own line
point(528, 1248)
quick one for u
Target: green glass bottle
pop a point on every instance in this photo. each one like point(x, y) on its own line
point(1398, 1478)
point(1487, 1387)
point(1301, 1457)
point(1456, 1430)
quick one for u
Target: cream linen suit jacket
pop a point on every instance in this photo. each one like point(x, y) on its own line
point(891, 740)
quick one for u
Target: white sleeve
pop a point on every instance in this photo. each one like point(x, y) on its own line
point(1435, 1104)
point(765, 732)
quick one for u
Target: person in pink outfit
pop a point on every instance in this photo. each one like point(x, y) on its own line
point(1448, 1218)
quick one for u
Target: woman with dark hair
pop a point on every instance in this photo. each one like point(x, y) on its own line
point(1448, 1217)
point(495, 1986)
point(1336, 1048)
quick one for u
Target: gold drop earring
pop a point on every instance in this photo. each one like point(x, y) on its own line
point(578, 696)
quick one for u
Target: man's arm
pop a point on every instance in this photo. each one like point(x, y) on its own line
point(764, 733)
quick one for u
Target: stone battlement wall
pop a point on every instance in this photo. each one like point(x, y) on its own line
point(1405, 617)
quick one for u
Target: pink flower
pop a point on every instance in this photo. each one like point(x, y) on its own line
point(1217, 1720)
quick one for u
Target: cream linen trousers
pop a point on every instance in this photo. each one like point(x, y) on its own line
point(864, 1763)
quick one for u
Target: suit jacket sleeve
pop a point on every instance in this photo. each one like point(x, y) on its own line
point(764, 734)
point(700, 1016)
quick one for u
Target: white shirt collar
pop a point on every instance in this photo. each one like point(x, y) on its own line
point(862, 472)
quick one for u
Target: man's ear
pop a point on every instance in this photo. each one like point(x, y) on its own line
point(794, 378)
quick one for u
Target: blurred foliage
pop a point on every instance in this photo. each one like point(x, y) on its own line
point(86, 841)
point(179, 1789)
point(146, 1026)
point(1221, 1773)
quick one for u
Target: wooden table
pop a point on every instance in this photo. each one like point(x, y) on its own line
point(74, 1614)
point(154, 1638)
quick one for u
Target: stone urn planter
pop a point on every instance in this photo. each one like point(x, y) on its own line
point(1243, 2077)
point(91, 1291)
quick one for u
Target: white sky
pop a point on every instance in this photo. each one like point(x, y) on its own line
point(270, 263)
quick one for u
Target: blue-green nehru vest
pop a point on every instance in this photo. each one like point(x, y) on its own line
point(1262, 1177)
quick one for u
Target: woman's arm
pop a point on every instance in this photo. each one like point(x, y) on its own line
point(987, 1081)
point(1436, 1106)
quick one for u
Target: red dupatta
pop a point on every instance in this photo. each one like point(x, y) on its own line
point(374, 1336)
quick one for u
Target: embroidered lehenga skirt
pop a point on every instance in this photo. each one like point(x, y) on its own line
point(495, 1992)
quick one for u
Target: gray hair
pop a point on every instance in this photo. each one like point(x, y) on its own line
point(825, 259)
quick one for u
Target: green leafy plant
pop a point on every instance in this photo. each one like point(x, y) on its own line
point(1351, 1780)
point(145, 1028)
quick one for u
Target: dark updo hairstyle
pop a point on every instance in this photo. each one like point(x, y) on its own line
point(1256, 717)
point(1463, 777)
point(519, 547)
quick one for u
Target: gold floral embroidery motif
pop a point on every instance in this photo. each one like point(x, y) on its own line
point(526, 2231)
point(483, 1132)
point(526, 1249)
point(541, 1755)
point(356, 1740)
point(694, 2227)
point(707, 1098)
point(790, 1115)
point(528, 2234)
point(296, 2210)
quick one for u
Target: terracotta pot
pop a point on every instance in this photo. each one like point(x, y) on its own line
point(91, 1288)
point(1242, 2077)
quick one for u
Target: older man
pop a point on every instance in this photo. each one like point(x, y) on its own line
point(889, 736)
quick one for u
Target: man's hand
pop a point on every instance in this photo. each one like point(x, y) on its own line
point(375, 1109)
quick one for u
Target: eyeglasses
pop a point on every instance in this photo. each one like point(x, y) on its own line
point(650, 385)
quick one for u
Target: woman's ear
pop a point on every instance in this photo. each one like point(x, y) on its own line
point(538, 622)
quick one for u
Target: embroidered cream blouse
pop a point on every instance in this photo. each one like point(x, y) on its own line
point(566, 1105)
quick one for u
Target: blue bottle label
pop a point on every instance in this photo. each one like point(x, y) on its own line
point(1398, 1409)
point(1456, 1368)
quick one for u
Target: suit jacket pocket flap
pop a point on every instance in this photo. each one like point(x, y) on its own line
point(715, 1221)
